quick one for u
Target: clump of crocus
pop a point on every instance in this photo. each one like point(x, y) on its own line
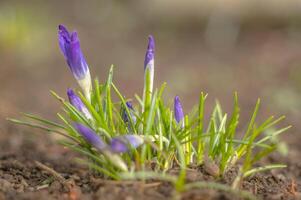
point(150, 135)
point(70, 47)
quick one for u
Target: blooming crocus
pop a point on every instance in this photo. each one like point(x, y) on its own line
point(70, 47)
point(179, 115)
point(149, 61)
point(78, 104)
point(124, 114)
point(123, 143)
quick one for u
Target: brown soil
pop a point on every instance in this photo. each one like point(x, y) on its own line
point(21, 177)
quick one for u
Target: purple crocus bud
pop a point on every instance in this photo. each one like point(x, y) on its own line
point(123, 143)
point(149, 61)
point(78, 104)
point(125, 116)
point(90, 136)
point(150, 53)
point(179, 115)
point(70, 47)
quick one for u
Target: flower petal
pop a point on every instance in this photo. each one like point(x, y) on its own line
point(124, 114)
point(179, 115)
point(70, 47)
point(90, 136)
point(78, 104)
point(123, 143)
point(150, 52)
point(64, 37)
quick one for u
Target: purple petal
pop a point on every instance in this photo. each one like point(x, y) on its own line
point(64, 37)
point(70, 47)
point(90, 136)
point(129, 105)
point(77, 103)
point(125, 117)
point(122, 144)
point(63, 31)
point(150, 53)
point(179, 115)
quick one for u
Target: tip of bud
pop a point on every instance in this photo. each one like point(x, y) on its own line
point(70, 92)
point(151, 43)
point(63, 30)
point(74, 36)
point(129, 105)
point(61, 27)
point(150, 53)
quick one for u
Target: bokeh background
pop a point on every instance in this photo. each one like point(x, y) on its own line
point(216, 46)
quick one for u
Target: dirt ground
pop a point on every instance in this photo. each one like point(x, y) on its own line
point(22, 176)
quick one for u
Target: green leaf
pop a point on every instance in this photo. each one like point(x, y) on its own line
point(45, 121)
point(261, 169)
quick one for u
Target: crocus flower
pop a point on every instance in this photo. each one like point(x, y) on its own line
point(90, 136)
point(149, 60)
point(118, 144)
point(123, 143)
point(124, 114)
point(70, 47)
point(179, 115)
point(78, 104)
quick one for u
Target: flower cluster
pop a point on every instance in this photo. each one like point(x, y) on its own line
point(70, 47)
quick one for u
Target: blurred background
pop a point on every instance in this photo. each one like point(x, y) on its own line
point(216, 46)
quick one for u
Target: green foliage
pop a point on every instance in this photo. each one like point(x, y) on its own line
point(166, 143)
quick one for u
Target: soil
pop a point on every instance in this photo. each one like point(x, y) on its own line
point(26, 173)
